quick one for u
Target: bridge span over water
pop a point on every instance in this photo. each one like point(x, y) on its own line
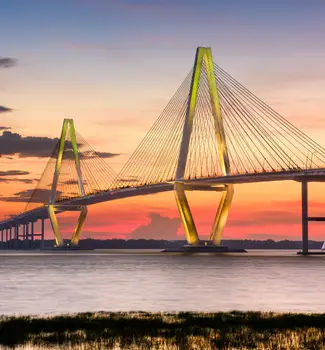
point(213, 134)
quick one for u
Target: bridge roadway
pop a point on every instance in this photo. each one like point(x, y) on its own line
point(311, 175)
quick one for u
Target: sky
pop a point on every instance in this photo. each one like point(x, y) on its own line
point(114, 65)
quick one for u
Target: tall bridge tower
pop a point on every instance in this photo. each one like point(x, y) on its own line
point(53, 206)
point(203, 61)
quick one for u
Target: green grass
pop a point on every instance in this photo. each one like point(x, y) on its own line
point(140, 330)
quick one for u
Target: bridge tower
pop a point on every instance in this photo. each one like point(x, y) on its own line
point(54, 207)
point(203, 60)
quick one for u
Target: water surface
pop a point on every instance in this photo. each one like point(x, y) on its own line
point(60, 282)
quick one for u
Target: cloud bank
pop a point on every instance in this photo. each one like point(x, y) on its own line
point(35, 146)
point(159, 227)
point(29, 146)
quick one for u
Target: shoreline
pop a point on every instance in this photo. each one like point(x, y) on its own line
point(187, 330)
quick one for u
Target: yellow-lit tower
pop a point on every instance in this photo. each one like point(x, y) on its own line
point(203, 54)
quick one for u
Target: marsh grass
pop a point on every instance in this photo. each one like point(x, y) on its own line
point(141, 330)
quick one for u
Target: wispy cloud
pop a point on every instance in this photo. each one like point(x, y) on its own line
point(105, 154)
point(6, 176)
point(7, 62)
point(4, 109)
point(11, 180)
point(14, 173)
point(27, 196)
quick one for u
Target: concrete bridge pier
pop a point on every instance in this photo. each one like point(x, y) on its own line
point(20, 235)
point(31, 241)
point(24, 232)
point(10, 238)
point(16, 228)
point(7, 238)
point(26, 235)
point(42, 234)
point(304, 216)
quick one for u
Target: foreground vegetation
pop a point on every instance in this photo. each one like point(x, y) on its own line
point(231, 330)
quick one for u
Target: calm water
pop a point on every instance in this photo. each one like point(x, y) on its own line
point(42, 283)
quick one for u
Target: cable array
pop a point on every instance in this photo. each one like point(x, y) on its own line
point(96, 174)
point(155, 159)
point(258, 138)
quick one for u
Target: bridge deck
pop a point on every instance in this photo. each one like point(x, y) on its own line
point(313, 175)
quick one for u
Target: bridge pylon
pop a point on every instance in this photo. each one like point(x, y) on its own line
point(203, 60)
point(55, 207)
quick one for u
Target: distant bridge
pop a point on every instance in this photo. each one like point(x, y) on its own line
point(213, 134)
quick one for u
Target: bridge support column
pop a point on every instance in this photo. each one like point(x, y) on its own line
point(31, 243)
point(304, 216)
point(16, 236)
point(26, 243)
point(222, 214)
point(19, 235)
point(42, 234)
point(10, 238)
point(79, 226)
point(185, 213)
point(13, 237)
point(55, 226)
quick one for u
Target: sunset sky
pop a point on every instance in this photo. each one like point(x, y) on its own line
point(114, 65)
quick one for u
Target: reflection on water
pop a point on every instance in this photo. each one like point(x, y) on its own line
point(40, 283)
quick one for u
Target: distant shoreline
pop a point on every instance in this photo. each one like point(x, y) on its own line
point(167, 244)
point(141, 330)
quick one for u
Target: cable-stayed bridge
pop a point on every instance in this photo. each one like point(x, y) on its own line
point(214, 133)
